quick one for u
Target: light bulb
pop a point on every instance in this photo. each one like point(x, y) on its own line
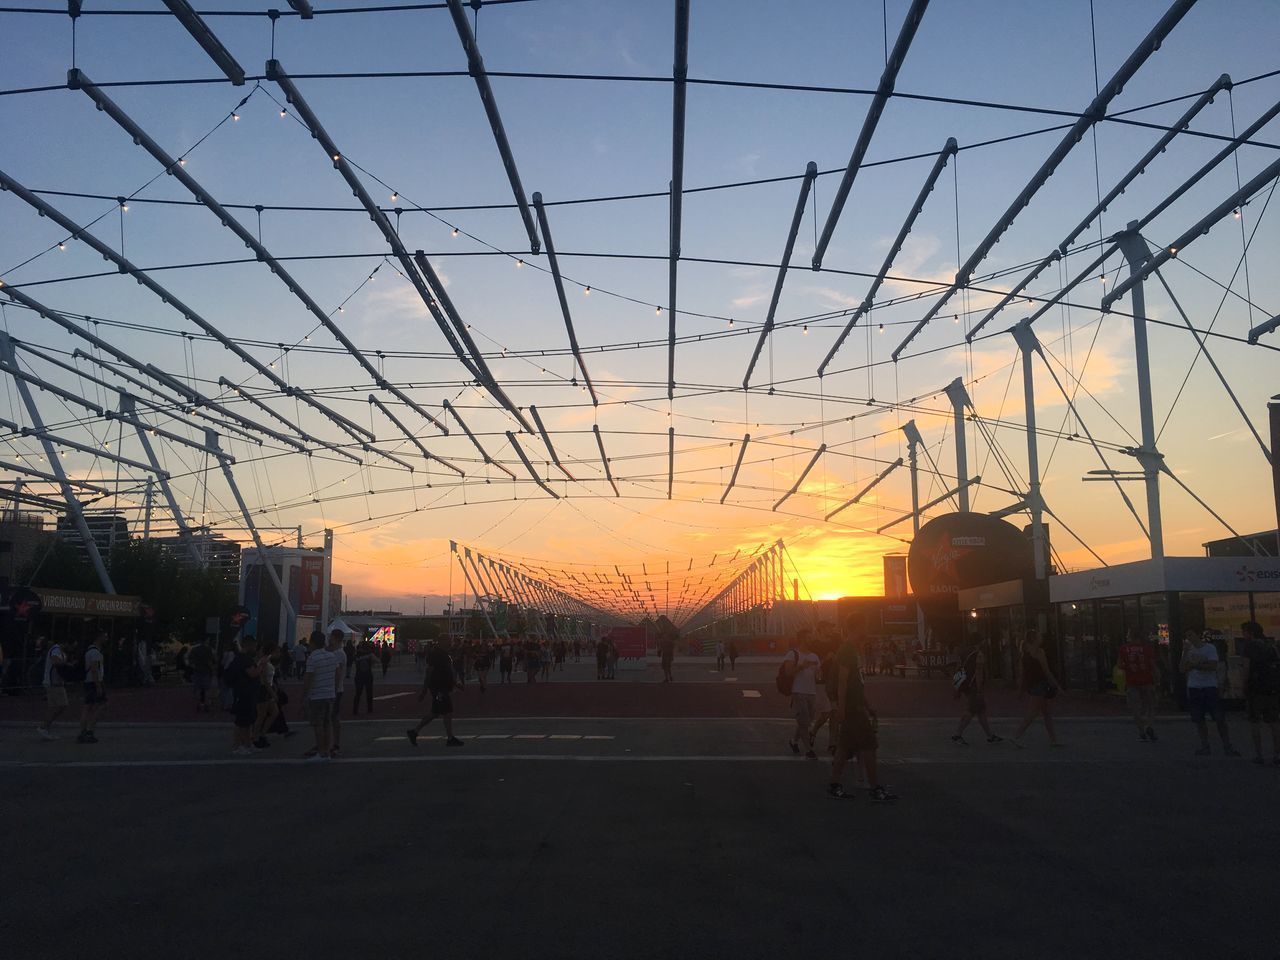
point(586, 291)
point(731, 321)
point(806, 329)
point(1103, 278)
point(882, 328)
point(124, 207)
point(283, 112)
point(62, 246)
point(955, 318)
point(1173, 251)
point(341, 309)
point(337, 157)
point(395, 197)
point(182, 161)
point(235, 117)
point(455, 231)
point(1236, 213)
point(519, 264)
point(657, 309)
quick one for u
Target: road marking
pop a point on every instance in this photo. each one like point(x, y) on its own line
point(751, 694)
point(597, 737)
point(530, 736)
point(494, 736)
point(730, 679)
point(392, 696)
point(404, 738)
point(565, 736)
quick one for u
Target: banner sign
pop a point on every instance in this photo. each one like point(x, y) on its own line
point(311, 590)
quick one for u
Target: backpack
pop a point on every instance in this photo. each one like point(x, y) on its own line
point(962, 679)
point(784, 680)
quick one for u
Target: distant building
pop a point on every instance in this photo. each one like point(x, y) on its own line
point(217, 553)
point(108, 530)
point(22, 539)
point(335, 596)
point(1265, 544)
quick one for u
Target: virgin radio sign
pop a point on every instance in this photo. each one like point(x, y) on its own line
point(961, 550)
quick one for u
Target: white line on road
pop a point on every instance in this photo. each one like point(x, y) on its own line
point(751, 694)
point(392, 696)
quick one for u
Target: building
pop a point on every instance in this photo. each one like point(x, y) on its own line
point(305, 575)
point(217, 552)
point(107, 529)
point(23, 537)
point(1265, 544)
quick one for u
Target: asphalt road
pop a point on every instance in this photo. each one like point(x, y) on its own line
point(611, 837)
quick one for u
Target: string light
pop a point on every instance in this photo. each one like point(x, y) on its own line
point(731, 321)
point(394, 197)
point(455, 231)
point(1173, 251)
point(955, 318)
point(235, 118)
point(182, 161)
point(283, 113)
point(62, 246)
point(1236, 213)
point(519, 264)
point(882, 328)
point(806, 329)
point(337, 157)
point(586, 291)
point(657, 310)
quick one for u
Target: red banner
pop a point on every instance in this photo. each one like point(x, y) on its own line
point(312, 587)
point(630, 641)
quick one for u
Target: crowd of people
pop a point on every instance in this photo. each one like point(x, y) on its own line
point(821, 674)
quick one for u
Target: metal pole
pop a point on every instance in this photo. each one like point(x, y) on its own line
point(146, 511)
point(959, 398)
point(1137, 252)
point(211, 441)
point(55, 464)
point(1029, 345)
point(128, 411)
point(1274, 408)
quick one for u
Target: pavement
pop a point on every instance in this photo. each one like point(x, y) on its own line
point(608, 835)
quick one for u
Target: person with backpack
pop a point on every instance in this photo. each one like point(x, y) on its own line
point(1039, 683)
point(970, 682)
point(1262, 689)
point(56, 663)
point(798, 679)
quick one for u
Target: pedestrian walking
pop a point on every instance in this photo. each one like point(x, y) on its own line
point(95, 689)
point(720, 656)
point(667, 654)
point(1262, 691)
point(826, 705)
point(733, 655)
point(345, 663)
point(299, 659)
point(349, 653)
point(484, 663)
point(319, 686)
point(602, 658)
point(800, 665)
point(858, 729)
point(267, 706)
point(1137, 660)
point(202, 662)
point(364, 677)
point(1200, 664)
point(610, 659)
point(971, 683)
point(532, 661)
point(1039, 683)
point(438, 684)
point(546, 658)
point(241, 677)
point(55, 689)
point(385, 659)
point(506, 661)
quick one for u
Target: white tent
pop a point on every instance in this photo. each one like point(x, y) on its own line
point(339, 624)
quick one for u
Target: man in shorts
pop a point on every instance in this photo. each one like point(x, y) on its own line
point(1200, 664)
point(439, 684)
point(1262, 691)
point(319, 684)
point(202, 662)
point(242, 675)
point(973, 689)
point(801, 665)
point(339, 651)
point(95, 689)
point(1137, 659)
point(857, 730)
point(55, 690)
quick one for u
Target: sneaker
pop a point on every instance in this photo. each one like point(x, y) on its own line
point(313, 752)
point(795, 747)
point(262, 743)
point(959, 740)
point(836, 792)
point(90, 737)
point(881, 795)
point(1231, 752)
point(453, 742)
point(995, 739)
point(810, 755)
point(82, 737)
point(1203, 752)
point(413, 736)
point(333, 754)
point(45, 733)
point(316, 758)
point(1142, 736)
point(242, 752)
point(1151, 734)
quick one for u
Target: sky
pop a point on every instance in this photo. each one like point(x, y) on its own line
point(426, 140)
